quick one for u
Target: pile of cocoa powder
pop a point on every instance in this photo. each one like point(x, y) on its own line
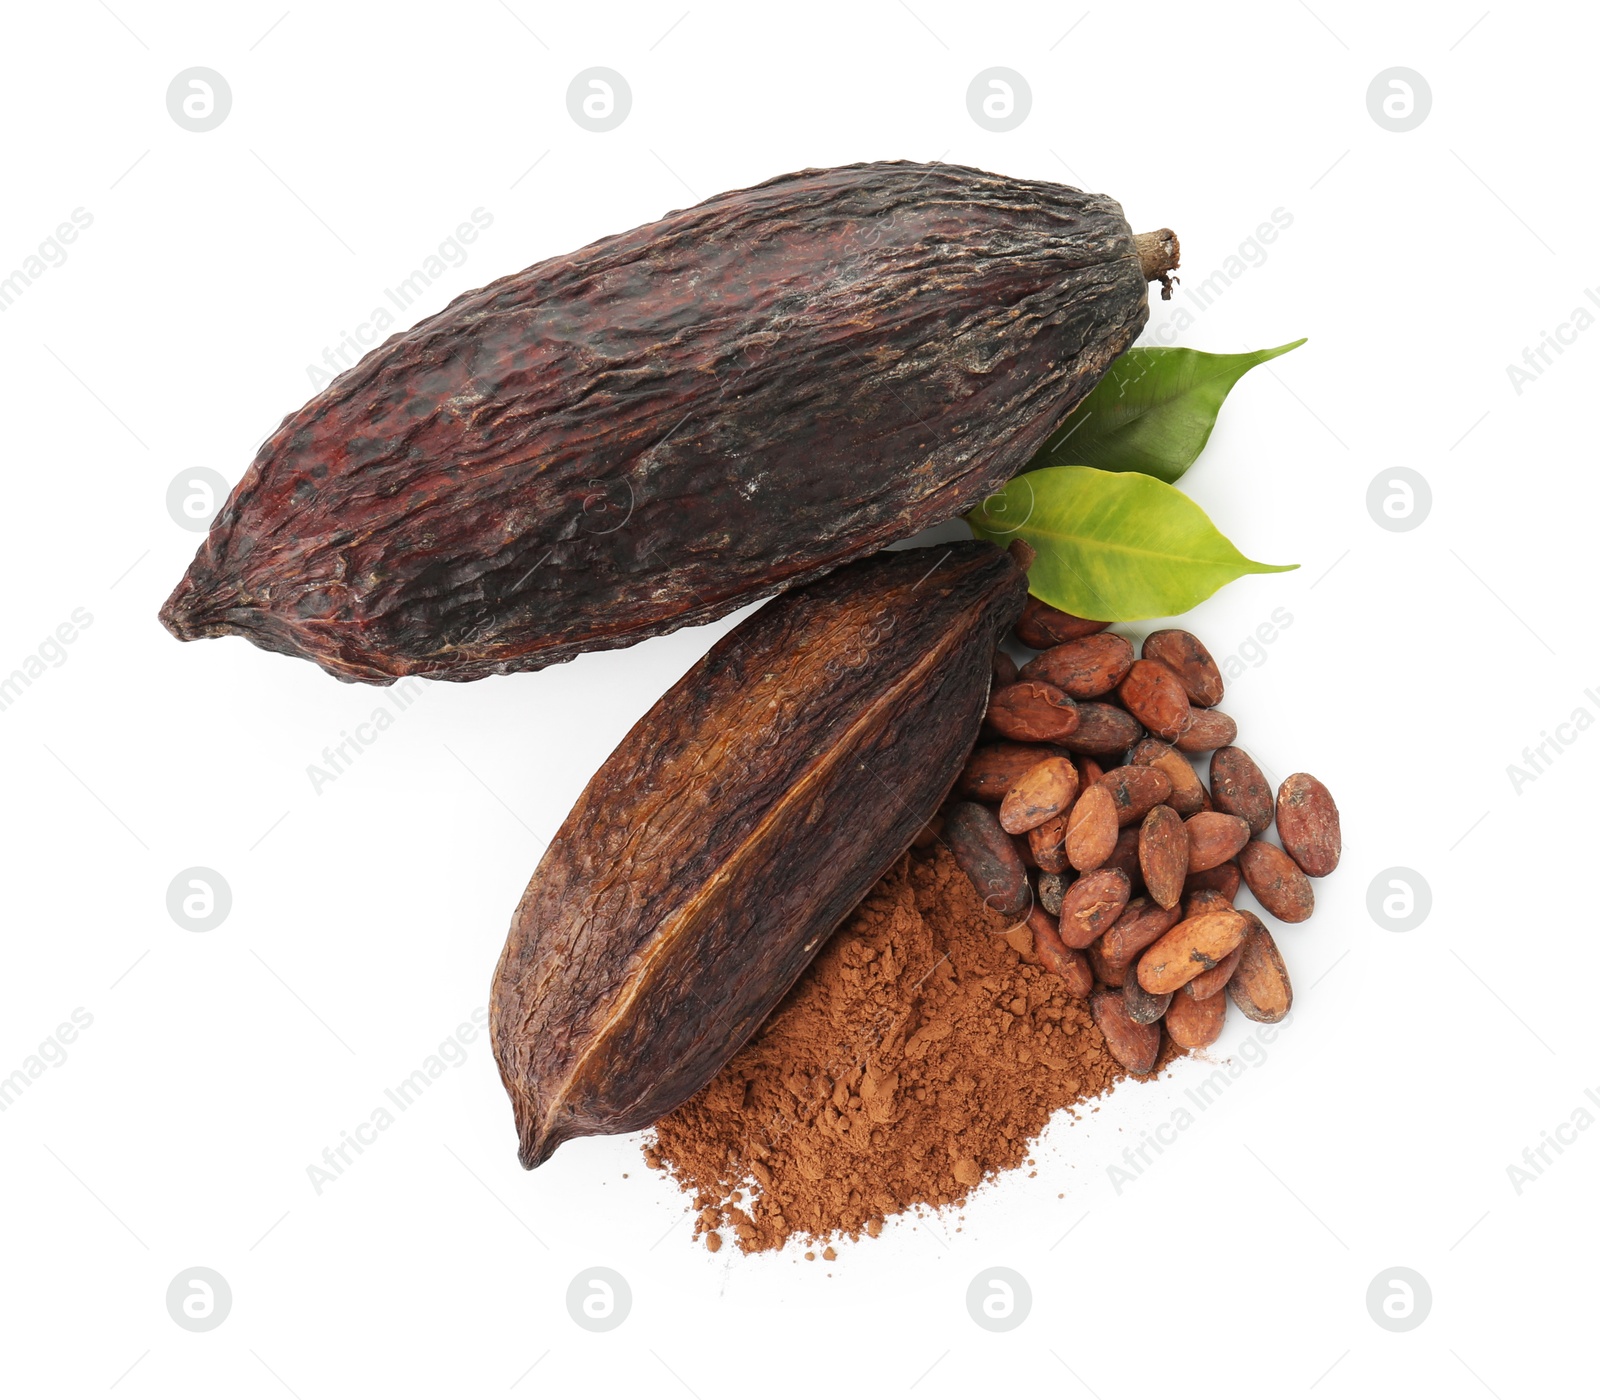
point(919, 1053)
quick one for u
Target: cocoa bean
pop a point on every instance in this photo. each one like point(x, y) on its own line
point(1260, 984)
point(1142, 922)
point(1208, 729)
point(1050, 886)
point(1210, 984)
point(1238, 788)
point(1042, 626)
point(1089, 769)
point(1032, 712)
point(1133, 1046)
point(1163, 855)
point(1112, 974)
point(988, 858)
point(1277, 882)
point(1048, 843)
point(1024, 848)
point(1004, 670)
point(1187, 949)
point(1144, 1008)
point(1155, 697)
point(1125, 857)
point(994, 769)
point(1136, 789)
point(1308, 824)
point(1214, 837)
point(1091, 829)
point(1071, 966)
point(1186, 656)
point(1224, 878)
point(1196, 1022)
point(1204, 902)
point(1188, 794)
point(1084, 668)
point(1044, 790)
point(1090, 905)
point(1103, 731)
point(931, 831)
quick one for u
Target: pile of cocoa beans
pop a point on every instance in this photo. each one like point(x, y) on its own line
point(1081, 815)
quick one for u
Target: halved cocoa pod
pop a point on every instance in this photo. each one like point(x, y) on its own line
point(1112, 974)
point(1213, 838)
point(1208, 729)
point(733, 829)
point(1044, 790)
point(1155, 697)
point(1090, 905)
point(1196, 1022)
point(1133, 1046)
point(1238, 788)
point(1071, 966)
point(1210, 984)
point(1032, 712)
point(1186, 950)
point(1004, 670)
point(1224, 877)
point(1260, 984)
point(1188, 794)
point(1144, 1008)
point(1042, 626)
point(1185, 654)
point(1091, 829)
point(1048, 842)
point(1163, 855)
point(1136, 788)
point(1308, 824)
point(1103, 731)
point(1084, 668)
point(1142, 922)
point(988, 857)
point(1277, 882)
point(994, 769)
point(1050, 886)
point(1125, 857)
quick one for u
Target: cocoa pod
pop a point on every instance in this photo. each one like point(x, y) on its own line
point(1112, 974)
point(673, 422)
point(1042, 626)
point(1213, 838)
point(732, 829)
point(1125, 857)
point(1239, 789)
point(1051, 885)
point(1144, 1008)
point(1090, 905)
point(1185, 655)
point(1260, 984)
point(1091, 829)
point(1136, 789)
point(1277, 882)
point(1207, 729)
point(1004, 670)
point(1188, 794)
point(1103, 731)
point(1083, 668)
point(1212, 983)
point(994, 769)
point(1155, 697)
point(1044, 790)
point(1223, 878)
point(1142, 922)
point(1196, 1022)
point(1048, 844)
point(1163, 855)
point(1133, 1046)
point(1308, 824)
point(1187, 949)
point(1066, 963)
point(989, 857)
point(1032, 713)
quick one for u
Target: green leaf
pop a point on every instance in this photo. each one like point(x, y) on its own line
point(1114, 546)
point(1152, 413)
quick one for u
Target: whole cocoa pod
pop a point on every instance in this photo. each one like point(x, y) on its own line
point(732, 830)
point(673, 422)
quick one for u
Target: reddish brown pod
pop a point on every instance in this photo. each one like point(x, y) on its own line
point(1308, 823)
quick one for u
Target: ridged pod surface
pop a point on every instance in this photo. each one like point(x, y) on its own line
point(733, 829)
point(671, 423)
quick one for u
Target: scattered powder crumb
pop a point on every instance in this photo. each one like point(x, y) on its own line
point(830, 1253)
point(713, 1241)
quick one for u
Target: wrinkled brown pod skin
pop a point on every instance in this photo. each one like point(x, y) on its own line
point(732, 830)
point(671, 423)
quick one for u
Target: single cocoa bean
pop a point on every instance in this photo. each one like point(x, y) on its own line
point(1224, 877)
point(1048, 842)
point(1025, 851)
point(1136, 789)
point(1042, 626)
point(1005, 670)
point(1208, 729)
point(1090, 905)
point(1188, 794)
point(1084, 668)
point(1089, 769)
point(1187, 949)
point(1308, 824)
point(1155, 697)
point(1133, 1046)
point(1215, 837)
point(1112, 974)
point(1103, 731)
point(1125, 857)
point(1238, 788)
point(1050, 886)
point(1163, 855)
point(930, 833)
point(1032, 712)
point(1185, 655)
point(1071, 966)
point(1142, 922)
point(1204, 901)
point(1277, 882)
point(1213, 983)
point(1196, 1022)
point(1091, 829)
point(994, 769)
point(1044, 790)
point(987, 855)
point(1260, 984)
point(1144, 1008)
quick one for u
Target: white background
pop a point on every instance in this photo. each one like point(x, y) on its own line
point(366, 919)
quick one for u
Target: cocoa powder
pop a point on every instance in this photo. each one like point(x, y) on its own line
point(920, 1053)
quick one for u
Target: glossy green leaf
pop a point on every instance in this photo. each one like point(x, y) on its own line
point(1152, 413)
point(1115, 546)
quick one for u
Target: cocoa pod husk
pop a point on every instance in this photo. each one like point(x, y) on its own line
point(733, 828)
